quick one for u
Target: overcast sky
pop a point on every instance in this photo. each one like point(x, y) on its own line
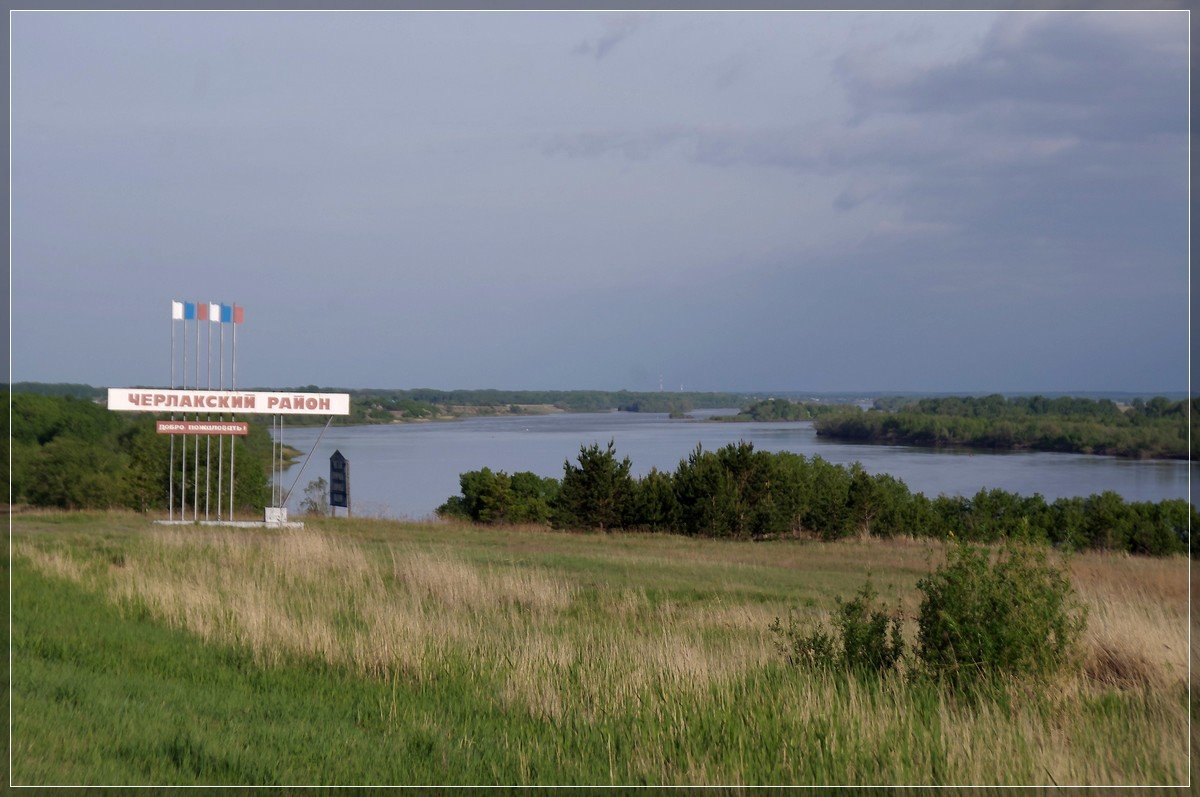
point(812, 201)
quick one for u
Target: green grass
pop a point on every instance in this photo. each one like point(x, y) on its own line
point(452, 655)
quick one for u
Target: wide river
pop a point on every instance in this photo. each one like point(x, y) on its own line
point(407, 470)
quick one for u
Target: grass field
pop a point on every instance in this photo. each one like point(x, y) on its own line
point(375, 652)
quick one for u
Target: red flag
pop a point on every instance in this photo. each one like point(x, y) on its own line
point(239, 314)
point(202, 311)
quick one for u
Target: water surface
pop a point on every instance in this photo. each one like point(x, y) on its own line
point(407, 470)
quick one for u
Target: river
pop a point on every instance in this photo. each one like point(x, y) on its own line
point(407, 470)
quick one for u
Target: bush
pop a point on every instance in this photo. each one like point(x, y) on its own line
point(1014, 615)
point(532, 497)
point(812, 648)
point(871, 638)
point(495, 497)
point(316, 498)
point(864, 638)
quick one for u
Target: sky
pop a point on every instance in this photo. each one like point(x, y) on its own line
point(824, 201)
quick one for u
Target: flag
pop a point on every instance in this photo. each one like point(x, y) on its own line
point(226, 314)
point(239, 314)
point(214, 312)
point(189, 311)
point(202, 311)
point(176, 311)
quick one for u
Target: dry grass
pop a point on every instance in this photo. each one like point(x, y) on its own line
point(311, 594)
point(1137, 618)
point(559, 650)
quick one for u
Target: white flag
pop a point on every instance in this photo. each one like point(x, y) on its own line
point(176, 311)
point(214, 312)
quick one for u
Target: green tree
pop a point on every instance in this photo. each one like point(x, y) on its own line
point(654, 506)
point(705, 495)
point(597, 492)
point(877, 504)
point(532, 497)
point(487, 495)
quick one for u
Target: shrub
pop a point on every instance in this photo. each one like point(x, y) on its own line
point(1015, 615)
point(864, 639)
point(486, 497)
point(871, 638)
point(316, 498)
point(495, 497)
point(806, 648)
point(532, 496)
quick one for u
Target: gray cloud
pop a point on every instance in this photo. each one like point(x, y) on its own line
point(1061, 136)
point(1095, 76)
point(616, 30)
point(924, 201)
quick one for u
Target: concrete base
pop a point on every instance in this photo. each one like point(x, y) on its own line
point(241, 524)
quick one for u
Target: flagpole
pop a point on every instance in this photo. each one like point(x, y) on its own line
point(221, 438)
point(171, 461)
point(196, 468)
point(208, 438)
point(233, 440)
point(183, 384)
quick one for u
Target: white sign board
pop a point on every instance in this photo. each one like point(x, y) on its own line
point(135, 399)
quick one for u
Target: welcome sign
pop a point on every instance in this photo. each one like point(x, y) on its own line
point(131, 399)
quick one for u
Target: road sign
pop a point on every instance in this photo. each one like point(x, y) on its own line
point(339, 481)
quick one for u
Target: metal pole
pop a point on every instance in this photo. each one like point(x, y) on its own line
point(171, 461)
point(233, 440)
point(196, 468)
point(221, 439)
point(305, 463)
point(208, 438)
point(183, 384)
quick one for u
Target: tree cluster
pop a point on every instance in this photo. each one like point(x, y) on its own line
point(773, 409)
point(74, 454)
point(1157, 428)
point(738, 492)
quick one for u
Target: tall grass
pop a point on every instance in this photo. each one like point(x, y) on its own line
point(642, 660)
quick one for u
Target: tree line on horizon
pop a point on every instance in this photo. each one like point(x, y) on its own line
point(1157, 428)
point(737, 492)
